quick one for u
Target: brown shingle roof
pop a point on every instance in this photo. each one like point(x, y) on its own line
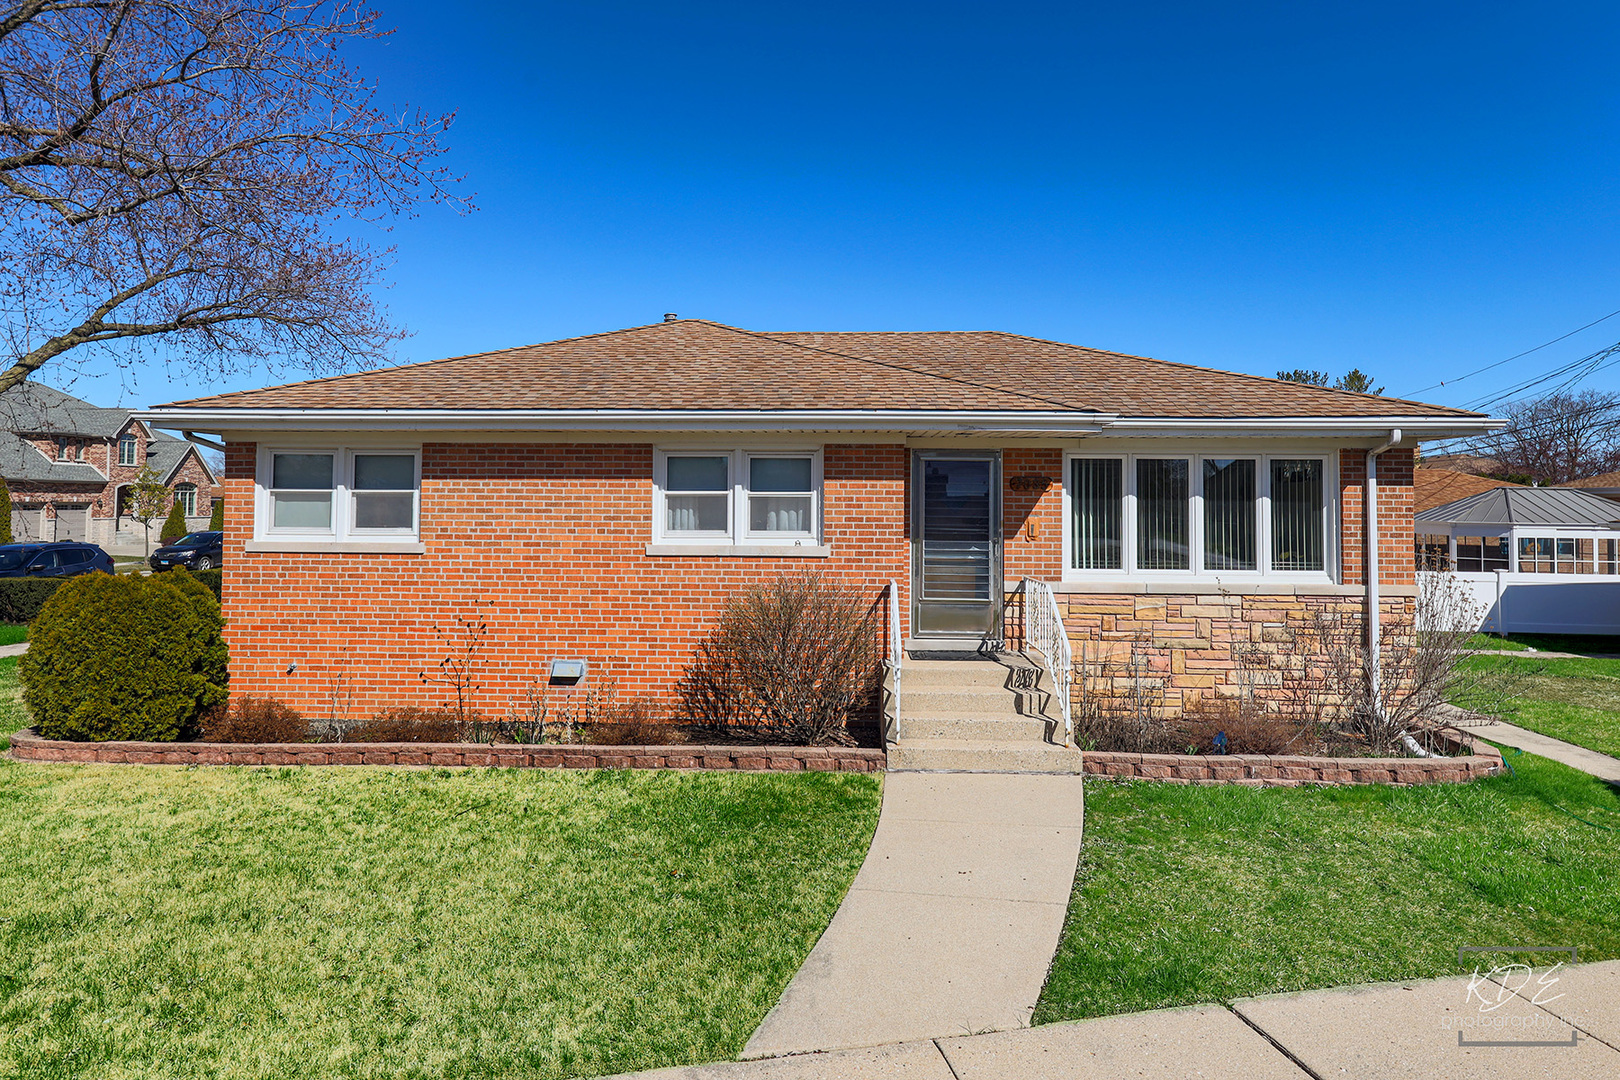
point(697, 364)
point(1436, 487)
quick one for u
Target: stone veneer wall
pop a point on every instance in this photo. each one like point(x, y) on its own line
point(1185, 641)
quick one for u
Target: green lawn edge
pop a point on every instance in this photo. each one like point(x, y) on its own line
point(1189, 894)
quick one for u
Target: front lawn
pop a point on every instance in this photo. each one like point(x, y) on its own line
point(1574, 700)
point(13, 633)
point(280, 923)
point(1191, 894)
point(1570, 643)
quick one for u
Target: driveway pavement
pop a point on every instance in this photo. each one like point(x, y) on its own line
point(1442, 1029)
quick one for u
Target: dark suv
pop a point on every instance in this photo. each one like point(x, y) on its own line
point(68, 558)
point(194, 551)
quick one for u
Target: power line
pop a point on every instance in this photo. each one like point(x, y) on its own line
point(1516, 356)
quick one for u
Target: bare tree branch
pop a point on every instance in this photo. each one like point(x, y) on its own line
point(184, 170)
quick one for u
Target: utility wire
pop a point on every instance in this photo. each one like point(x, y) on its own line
point(1516, 356)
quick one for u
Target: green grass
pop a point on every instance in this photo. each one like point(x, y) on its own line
point(1570, 643)
point(13, 633)
point(1574, 700)
point(1191, 894)
point(284, 923)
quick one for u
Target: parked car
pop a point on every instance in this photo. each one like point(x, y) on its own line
point(67, 558)
point(194, 551)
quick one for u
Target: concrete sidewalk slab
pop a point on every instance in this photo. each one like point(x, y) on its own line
point(908, 1061)
point(951, 923)
point(1599, 765)
point(1204, 1041)
point(1586, 996)
point(14, 650)
point(1423, 1030)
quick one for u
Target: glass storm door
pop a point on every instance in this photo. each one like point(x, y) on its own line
point(956, 550)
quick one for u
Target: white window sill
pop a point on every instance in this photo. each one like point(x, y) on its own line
point(771, 551)
point(339, 547)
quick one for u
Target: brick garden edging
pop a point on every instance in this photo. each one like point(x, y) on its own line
point(1262, 770)
point(29, 746)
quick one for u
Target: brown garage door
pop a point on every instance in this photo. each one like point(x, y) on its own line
point(73, 522)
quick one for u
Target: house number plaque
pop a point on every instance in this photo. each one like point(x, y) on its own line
point(1030, 483)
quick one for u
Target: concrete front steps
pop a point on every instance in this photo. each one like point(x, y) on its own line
point(984, 713)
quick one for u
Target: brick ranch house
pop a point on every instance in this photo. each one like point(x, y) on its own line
point(69, 465)
point(606, 493)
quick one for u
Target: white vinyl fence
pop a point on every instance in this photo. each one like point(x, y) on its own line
point(1516, 603)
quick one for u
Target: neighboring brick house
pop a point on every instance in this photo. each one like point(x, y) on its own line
point(68, 465)
point(605, 494)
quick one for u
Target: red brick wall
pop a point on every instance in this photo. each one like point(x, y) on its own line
point(1032, 520)
point(556, 536)
point(1396, 563)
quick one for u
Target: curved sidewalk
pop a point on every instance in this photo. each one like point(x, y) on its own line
point(952, 921)
point(1490, 1027)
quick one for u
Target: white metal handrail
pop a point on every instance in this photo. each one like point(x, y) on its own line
point(896, 654)
point(1044, 631)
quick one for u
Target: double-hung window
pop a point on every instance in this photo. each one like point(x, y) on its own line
point(1211, 514)
point(126, 450)
point(738, 497)
point(339, 494)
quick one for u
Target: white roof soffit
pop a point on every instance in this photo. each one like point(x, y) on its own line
point(1055, 424)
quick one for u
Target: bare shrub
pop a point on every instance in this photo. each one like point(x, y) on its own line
point(792, 661)
point(1116, 702)
point(256, 720)
point(458, 672)
point(1421, 669)
point(1233, 726)
point(541, 715)
point(410, 724)
point(635, 723)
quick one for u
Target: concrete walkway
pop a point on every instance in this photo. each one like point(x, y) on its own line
point(1599, 765)
point(952, 921)
point(1433, 1030)
point(14, 650)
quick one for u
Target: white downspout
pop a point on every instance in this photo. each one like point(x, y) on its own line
point(1374, 631)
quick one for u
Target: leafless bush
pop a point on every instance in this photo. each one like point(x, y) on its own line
point(256, 720)
point(792, 661)
point(1421, 667)
point(1116, 702)
point(635, 723)
point(458, 671)
point(411, 724)
point(540, 715)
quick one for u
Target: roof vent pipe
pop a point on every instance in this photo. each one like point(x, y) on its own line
point(1374, 629)
point(670, 316)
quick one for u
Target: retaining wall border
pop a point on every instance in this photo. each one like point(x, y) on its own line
point(1262, 770)
point(28, 745)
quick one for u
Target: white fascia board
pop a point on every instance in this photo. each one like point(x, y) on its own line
point(651, 420)
point(1044, 423)
point(1345, 427)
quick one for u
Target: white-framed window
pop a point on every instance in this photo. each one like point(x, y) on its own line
point(69, 449)
point(126, 449)
point(339, 493)
point(1202, 515)
point(186, 496)
point(739, 497)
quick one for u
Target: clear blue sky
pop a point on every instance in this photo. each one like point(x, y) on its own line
point(1416, 190)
